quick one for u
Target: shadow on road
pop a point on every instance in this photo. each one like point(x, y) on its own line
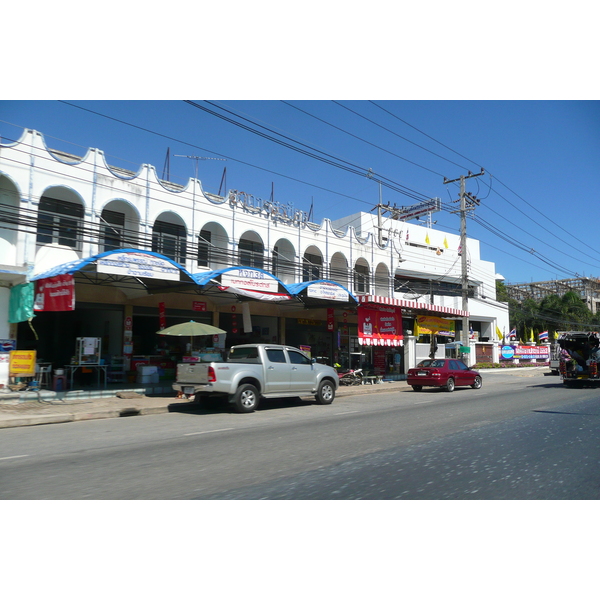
point(222, 406)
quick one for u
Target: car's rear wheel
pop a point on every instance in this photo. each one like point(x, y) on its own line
point(326, 392)
point(450, 385)
point(476, 383)
point(417, 388)
point(246, 398)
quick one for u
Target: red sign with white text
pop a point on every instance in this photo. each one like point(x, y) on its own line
point(379, 325)
point(55, 294)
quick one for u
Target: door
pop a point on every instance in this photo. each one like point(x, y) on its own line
point(303, 374)
point(277, 371)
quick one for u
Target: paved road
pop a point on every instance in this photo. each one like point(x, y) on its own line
point(517, 437)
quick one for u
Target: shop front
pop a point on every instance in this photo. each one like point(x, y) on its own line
point(381, 325)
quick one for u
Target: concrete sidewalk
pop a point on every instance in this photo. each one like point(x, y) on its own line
point(44, 407)
point(19, 409)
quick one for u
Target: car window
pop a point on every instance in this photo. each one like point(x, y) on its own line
point(461, 365)
point(297, 358)
point(453, 365)
point(275, 356)
point(437, 363)
point(424, 363)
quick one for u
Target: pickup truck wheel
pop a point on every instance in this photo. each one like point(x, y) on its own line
point(246, 398)
point(326, 393)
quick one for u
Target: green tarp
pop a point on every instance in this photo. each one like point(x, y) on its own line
point(21, 303)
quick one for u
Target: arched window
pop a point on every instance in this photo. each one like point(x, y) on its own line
point(361, 277)
point(168, 239)
point(312, 264)
point(212, 247)
point(59, 222)
point(251, 251)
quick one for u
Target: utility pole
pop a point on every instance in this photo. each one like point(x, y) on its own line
point(467, 202)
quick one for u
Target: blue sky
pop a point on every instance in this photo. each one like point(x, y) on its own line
point(537, 219)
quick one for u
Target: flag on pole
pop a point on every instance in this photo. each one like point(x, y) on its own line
point(427, 239)
point(543, 335)
point(513, 332)
point(499, 333)
point(445, 243)
point(532, 337)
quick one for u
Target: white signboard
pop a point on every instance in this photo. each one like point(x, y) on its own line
point(328, 291)
point(412, 212)
point(137, 265)
point(247, 279)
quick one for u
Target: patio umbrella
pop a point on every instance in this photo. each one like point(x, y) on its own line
point(191, 329)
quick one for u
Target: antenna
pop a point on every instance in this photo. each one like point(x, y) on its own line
point(166, 166)
point(197, 158)
point(223, 185)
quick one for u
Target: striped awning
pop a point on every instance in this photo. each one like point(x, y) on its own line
point(434, 308)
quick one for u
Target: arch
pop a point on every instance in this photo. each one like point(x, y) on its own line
point(338, 269)
point(60, 218)
point(381, 281)
point(362, 283)
point(251, 250)
point(283, 260)
point(213, 244)
point(169, 236)
point(312, 264)
point(9, 215)
point(119, 225)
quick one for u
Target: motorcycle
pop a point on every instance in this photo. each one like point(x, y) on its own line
point(352, 377)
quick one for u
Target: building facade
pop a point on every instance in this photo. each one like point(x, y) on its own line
point(258, 269)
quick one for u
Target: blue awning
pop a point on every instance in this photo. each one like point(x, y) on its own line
point(320, 290)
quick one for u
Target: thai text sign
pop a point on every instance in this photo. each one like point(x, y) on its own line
point(379, 325)
point(328, 291)
point(137, 264)
point(250, 279)
point(425, 324)
point(22, 363)
point(526, 352)
point(54, 294)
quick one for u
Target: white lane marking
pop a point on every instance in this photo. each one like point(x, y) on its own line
point(17, 456)
point(210, 431)
point(347, 412)
point(423, 402)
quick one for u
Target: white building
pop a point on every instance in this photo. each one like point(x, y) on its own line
point(58, 212)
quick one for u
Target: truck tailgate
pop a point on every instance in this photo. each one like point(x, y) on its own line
point(192, 373)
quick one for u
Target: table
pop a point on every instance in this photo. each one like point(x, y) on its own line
point(71, 369)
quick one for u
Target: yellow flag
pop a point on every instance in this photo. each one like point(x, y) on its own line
point(498, 332)
point(427, 239)
point(445, 243)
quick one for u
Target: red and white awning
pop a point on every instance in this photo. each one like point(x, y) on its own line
point(446, 310)
point(364, 341)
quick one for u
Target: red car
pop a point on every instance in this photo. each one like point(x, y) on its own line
point(445, 372)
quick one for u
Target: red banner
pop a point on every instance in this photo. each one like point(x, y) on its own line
point(55, 294)
point(162, 316)
point(330, 319)
point(379, 325)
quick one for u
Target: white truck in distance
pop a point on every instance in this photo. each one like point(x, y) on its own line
point(255, 371)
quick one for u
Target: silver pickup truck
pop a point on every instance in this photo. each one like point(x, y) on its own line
point(254, 371)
